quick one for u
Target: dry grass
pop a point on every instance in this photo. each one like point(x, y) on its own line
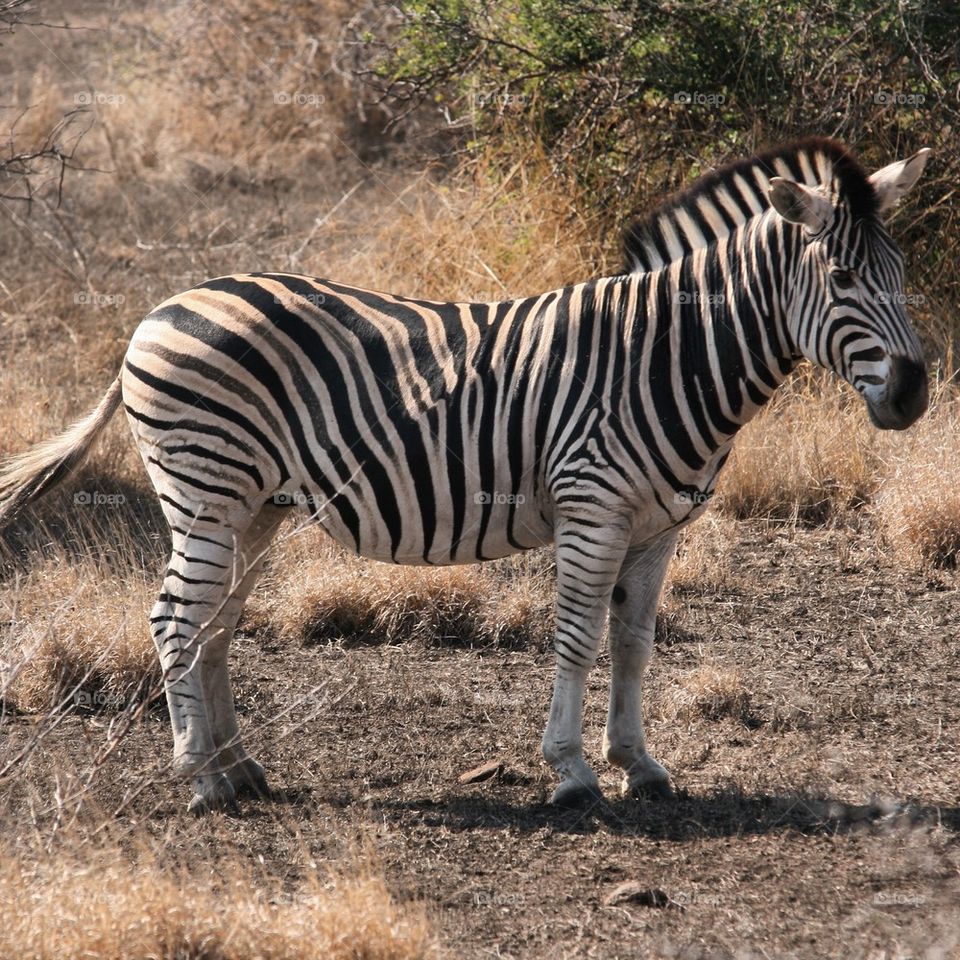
point(75, 633)
point(96, 903)
point(810, 455)
point(918, 506)
point(702, 563)
point(711, 692)
point(318, 592)
point(486, 233)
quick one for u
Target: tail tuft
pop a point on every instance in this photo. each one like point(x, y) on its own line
point(31, 474)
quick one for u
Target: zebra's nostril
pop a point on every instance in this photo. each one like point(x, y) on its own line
point(908, 387)
point(908, 376)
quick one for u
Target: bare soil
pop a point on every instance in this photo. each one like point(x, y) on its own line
point(823, 821)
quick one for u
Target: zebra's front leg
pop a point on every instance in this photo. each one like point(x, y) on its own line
point(588, 561)
point(633, 614)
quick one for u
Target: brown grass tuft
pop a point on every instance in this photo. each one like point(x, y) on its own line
point(319, 592)
point(918, 506)
point(710, 692)
point(702, 563)
point(135, 909)
point(75, 632)
point(809, 455)
point(487, 232)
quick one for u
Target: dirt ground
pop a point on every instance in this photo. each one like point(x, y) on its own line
point(820, 821)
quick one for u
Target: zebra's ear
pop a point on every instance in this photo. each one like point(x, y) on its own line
point(893, 181)
point(799, 204)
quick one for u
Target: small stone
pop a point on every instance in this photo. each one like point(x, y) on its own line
point(630, 891)
point(486, 771)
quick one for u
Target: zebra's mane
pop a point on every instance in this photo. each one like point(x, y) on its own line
point(719, 201)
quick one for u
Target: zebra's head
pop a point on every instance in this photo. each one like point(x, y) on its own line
point(846, 311)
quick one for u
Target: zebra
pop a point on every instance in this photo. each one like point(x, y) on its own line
point(595, 417)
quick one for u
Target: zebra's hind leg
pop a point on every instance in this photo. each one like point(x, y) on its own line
point(589, 557)
point(195, 585)
point(243, 772)
point(633, 613)
point(193, 610)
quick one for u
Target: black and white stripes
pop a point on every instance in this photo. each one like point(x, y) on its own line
point(596, 417)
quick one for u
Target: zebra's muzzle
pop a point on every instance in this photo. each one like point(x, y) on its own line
point(905, 398)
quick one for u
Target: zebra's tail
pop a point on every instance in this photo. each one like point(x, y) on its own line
point(25, 477)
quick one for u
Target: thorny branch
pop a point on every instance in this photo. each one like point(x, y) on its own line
point(48, 160)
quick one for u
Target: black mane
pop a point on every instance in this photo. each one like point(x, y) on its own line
point(647, 242)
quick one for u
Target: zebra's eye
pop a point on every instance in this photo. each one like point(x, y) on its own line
point(844, 279)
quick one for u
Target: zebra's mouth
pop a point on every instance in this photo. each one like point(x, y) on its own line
point(903, 399)
point(880, 417)
point(898, 414)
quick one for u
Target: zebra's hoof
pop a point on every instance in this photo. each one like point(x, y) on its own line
point(249, 779)
point(576, 795)
point(649, 790)
point(213, 793)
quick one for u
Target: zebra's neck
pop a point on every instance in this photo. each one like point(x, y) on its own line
point(709, 335)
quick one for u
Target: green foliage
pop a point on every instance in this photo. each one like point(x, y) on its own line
point(632, 98)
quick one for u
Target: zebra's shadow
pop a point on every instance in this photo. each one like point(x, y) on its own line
point(721, 813)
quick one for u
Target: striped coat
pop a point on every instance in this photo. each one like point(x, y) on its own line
point(595, 417)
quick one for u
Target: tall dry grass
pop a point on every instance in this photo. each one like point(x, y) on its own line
point(918, 500)
point(318, 592)
point(809, 455)
point(702, 562)
point(487, 232)
point(93, 901)
point(75, 635)
point(812, 456)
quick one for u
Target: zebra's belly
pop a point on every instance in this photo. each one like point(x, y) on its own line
point(440, 535)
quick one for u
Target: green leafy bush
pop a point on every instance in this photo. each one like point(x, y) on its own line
point(631, 98)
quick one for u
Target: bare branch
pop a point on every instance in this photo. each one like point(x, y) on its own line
point(48, 160)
